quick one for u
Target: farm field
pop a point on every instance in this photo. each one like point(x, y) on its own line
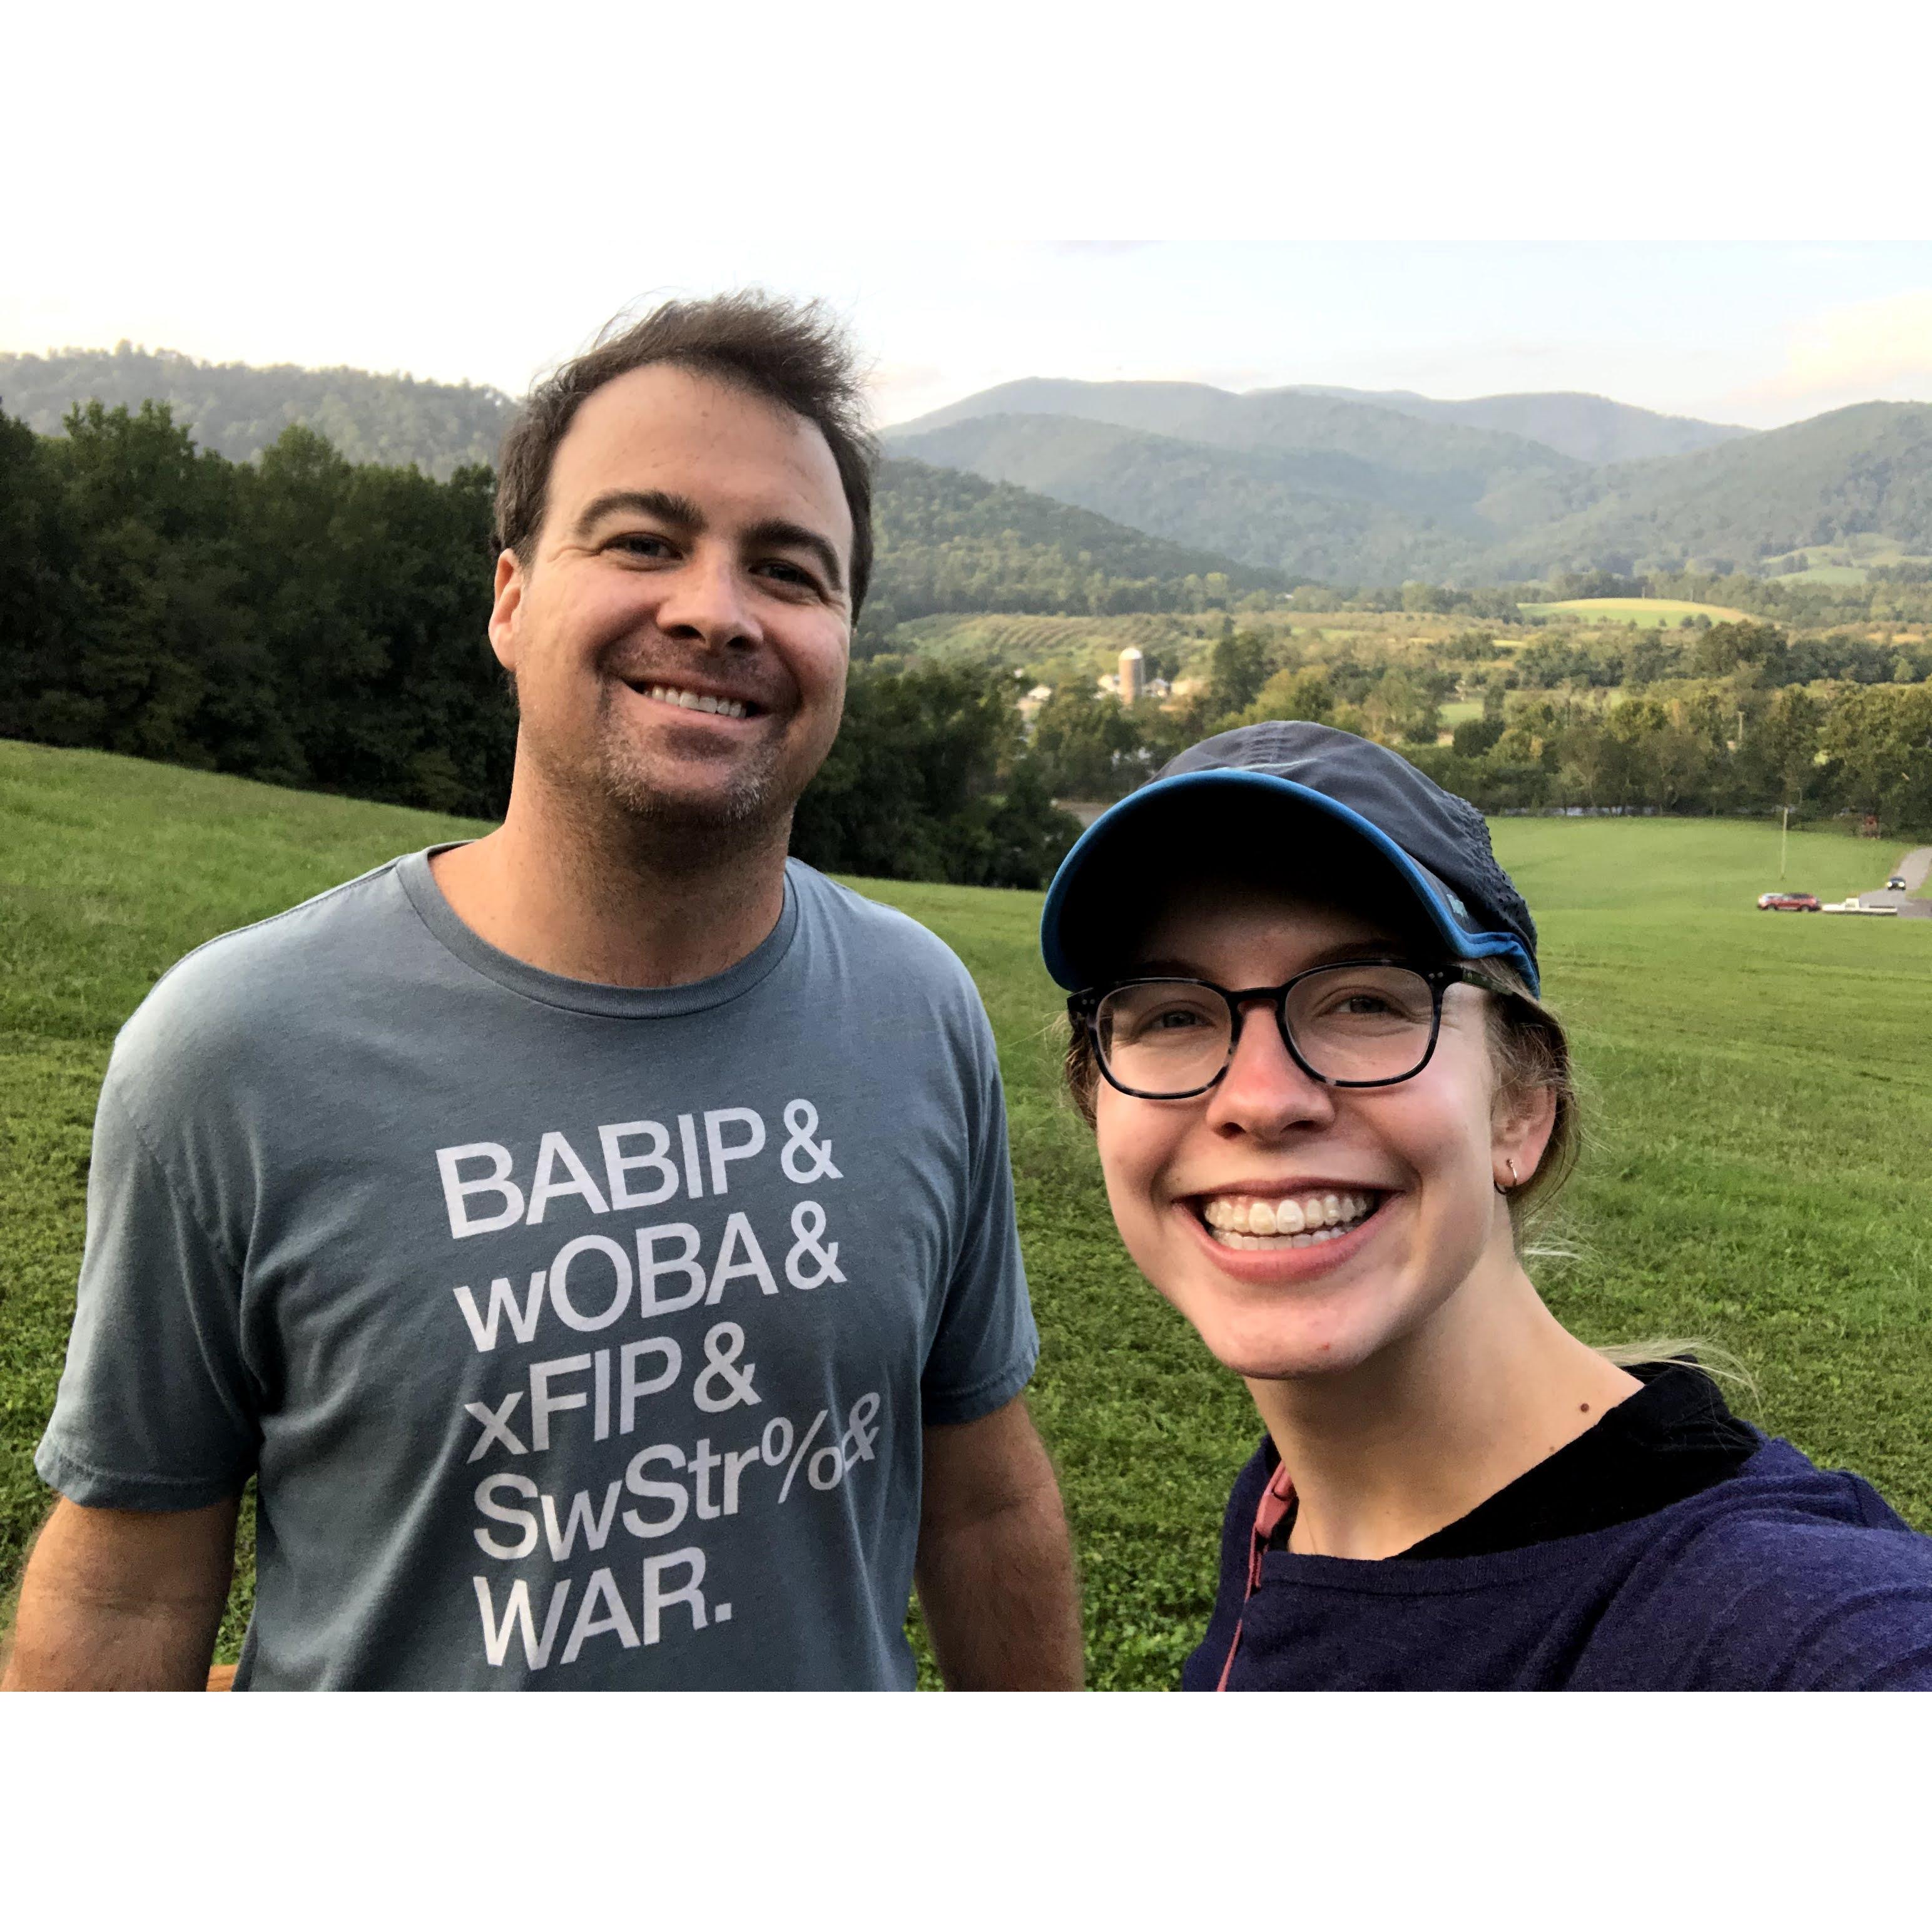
point(1760, 1089)
point(1055, 650)
point(1647, 613)
point(1062, 650)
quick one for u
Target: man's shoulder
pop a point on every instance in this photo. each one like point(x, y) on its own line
point(237, 994)
point(874, 937)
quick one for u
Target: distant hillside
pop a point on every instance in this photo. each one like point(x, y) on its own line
point(949, 541)
point(239, 410)
point(1592, 429)
point(1354, 489)
point(1294, 513)
point(1864, 469)
point(1308, 485)
point(1435, 467)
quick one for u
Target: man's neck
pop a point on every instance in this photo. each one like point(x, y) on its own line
point(1417, 1437)
point(613, 905)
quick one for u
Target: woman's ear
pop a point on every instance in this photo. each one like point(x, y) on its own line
point(1521, 1125)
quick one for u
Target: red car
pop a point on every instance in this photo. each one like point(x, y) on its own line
point(1788, 902)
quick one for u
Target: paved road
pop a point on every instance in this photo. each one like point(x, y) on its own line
point(1911, 868)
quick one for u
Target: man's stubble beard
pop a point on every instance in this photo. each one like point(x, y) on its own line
point(607, 797)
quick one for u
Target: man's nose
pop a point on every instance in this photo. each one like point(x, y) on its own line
point(705, 601)
point(1264, 1092)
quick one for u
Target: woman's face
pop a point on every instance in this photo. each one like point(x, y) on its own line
point(1422, 1157)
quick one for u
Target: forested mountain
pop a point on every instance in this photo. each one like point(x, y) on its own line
point(949, 541)
point(238, 410)
point(1866, 468)
point(1315, 515)
point(1434, 465)
point(1339, 487)
point(1593, 429)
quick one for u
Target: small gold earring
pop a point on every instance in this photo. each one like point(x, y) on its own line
point(1514, 1182)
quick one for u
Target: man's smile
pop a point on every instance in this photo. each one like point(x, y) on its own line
point(686, 696)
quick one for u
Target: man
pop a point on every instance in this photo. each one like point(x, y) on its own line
point(598, 1237)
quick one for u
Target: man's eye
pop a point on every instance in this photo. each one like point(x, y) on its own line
point(639, 544)
point(782, 572)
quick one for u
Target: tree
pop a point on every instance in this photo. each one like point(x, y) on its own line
point(1236, 669)
point(1087, 747)
point(1305, 693)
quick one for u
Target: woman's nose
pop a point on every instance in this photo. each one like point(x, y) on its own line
point(1264, 1092)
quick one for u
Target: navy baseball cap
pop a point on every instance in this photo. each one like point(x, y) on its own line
point(1280, 787)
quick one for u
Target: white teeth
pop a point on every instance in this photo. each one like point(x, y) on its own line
point(1240, 1222)
point(692, 700)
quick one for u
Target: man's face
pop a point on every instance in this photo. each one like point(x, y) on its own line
point(679, 635)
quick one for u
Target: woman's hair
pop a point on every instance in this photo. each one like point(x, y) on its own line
point(1527, 1043)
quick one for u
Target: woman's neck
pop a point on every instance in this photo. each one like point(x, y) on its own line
point(1389, 1453)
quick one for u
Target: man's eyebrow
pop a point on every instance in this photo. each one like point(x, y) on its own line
point(775, 530)
point(679, 512)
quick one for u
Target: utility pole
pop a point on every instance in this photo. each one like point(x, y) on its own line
point(1784, 844)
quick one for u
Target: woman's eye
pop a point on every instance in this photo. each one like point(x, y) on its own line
point(1364, 1002)
point(1172, 1019)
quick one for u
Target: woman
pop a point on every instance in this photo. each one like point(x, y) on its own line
point(1308, 1036)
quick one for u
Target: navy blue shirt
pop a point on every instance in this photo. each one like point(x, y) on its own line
point(1781, 1576)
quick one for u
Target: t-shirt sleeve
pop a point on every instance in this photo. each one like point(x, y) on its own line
point(156, 1407)
point(984, 1351)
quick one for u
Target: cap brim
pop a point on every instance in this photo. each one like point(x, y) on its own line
point(1102, 890)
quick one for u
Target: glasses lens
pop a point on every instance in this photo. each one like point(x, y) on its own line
point(1163, 1036)
point(1362, 1023)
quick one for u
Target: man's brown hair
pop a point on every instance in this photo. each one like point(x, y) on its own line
point(792, 354)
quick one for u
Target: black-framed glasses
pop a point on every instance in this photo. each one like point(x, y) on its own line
point(1360, 1023)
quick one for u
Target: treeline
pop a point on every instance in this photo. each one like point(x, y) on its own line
point(317, 623)
point(1717, 650)
point(238, 411)
point(1742, 737)
point(304, 619)
point(1692, 748)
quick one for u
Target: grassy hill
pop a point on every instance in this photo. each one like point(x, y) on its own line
point(1759, 1089)
point(239, 409)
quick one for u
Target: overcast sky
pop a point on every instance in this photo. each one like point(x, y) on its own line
point(472, 192)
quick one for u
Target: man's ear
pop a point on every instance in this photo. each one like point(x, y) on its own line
point(1521, 1127)
point(509, 597)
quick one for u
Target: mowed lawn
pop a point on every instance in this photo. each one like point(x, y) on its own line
point(1759, 1087)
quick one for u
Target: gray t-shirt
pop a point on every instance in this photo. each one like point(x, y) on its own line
point(581, 1335)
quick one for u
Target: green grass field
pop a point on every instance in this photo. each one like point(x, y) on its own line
point(1647, 613)
point(1759, 1087)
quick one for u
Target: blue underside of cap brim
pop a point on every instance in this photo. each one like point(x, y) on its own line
point(1101, 837)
